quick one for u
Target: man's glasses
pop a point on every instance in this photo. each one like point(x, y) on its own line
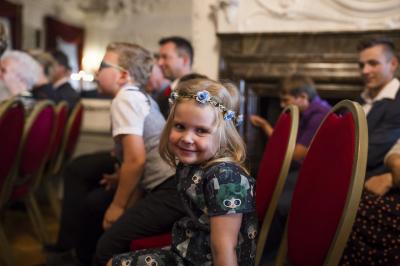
point(107, 65)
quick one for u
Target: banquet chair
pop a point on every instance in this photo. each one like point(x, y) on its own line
point(70, 138)
point(35, 146)
point(12, 119)
point(271, 178)
point(328, 190)
point(61, 114)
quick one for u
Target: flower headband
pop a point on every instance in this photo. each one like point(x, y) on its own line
point(204, 97)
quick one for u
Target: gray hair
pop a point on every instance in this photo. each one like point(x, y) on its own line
point(28, 69)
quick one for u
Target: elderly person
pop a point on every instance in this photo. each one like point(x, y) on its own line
point(19, 72)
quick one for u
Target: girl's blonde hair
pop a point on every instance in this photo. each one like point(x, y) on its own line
point(231, 145)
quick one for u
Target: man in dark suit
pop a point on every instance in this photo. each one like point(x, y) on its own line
point(63, 88)
point(378, 61)
point(175, 60)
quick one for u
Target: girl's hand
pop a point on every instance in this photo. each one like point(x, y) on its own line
point(111, 180)
point(379, 184)
point(112, 214)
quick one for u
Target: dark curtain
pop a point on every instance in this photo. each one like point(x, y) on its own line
point(13, 12)
point(68, 33)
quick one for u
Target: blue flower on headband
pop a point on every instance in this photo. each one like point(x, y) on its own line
point(229, 115)
point(239, 120)
point(203, 96)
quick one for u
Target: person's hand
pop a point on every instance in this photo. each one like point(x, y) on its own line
point(110, 180)
point(112, 214)
point(379, 184)
point(258, 121)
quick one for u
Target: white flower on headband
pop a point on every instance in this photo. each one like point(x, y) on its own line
point(203, 96)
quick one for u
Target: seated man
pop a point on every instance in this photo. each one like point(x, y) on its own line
point(376, 231)
point(380, 100)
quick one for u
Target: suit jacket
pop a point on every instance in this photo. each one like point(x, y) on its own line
point(67, 93)
point(383, 131)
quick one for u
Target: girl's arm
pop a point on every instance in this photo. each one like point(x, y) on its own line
point(224, 236)
point(134, 158)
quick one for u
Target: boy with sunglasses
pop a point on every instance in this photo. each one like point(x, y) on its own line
point(139, 199)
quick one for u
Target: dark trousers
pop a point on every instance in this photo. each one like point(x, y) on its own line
point(279, 221)
point(152, 215)
point(81, 176)
point(85, 202)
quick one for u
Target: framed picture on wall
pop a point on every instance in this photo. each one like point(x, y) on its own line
point(11, 18)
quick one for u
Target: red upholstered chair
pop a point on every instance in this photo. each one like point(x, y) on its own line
point(271, 177)
point(328, 190)
point(12, 119)
point(273, 170)
point(61, 112)
point(71, 136)
point(35, 148)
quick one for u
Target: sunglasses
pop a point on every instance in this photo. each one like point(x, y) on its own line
point(107, 65)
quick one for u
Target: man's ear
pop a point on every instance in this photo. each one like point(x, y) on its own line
point(186, 59)
point(394, 63)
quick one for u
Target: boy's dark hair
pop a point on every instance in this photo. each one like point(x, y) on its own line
point(61, 58)
point(182, 45)
point(296, 84)
point(386, 42)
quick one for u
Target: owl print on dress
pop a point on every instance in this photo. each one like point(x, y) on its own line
point(148, 260)
point(183, 247)
point(125, 262)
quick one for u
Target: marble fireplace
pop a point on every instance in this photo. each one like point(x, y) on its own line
point(256, 62)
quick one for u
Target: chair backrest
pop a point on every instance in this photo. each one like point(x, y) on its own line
point(35, 147)
point(274, 168)
point(12, 119)
point(61, 112)
point(71, 135)
point(328, 189)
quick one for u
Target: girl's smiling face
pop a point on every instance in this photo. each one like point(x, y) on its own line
point(193, 137)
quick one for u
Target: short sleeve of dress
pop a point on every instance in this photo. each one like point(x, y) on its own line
point(228, 190)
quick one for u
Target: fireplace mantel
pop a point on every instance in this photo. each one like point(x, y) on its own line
point(261, 60)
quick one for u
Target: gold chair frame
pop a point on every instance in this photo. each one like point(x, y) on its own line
point(347, 219)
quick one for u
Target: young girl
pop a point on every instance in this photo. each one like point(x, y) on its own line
point(201, 140)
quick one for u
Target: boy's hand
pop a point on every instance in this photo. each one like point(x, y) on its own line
point(112, 214)
point(379, 184)
point(111, 180)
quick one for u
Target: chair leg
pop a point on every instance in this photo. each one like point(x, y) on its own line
point(36, 218)
point(282, 252)
point(51, 193)
point(6, 253)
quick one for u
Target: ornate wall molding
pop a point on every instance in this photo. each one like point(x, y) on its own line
point(310, 15)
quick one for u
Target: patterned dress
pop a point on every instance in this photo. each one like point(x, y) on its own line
point(375, 237)
point(221, 189)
